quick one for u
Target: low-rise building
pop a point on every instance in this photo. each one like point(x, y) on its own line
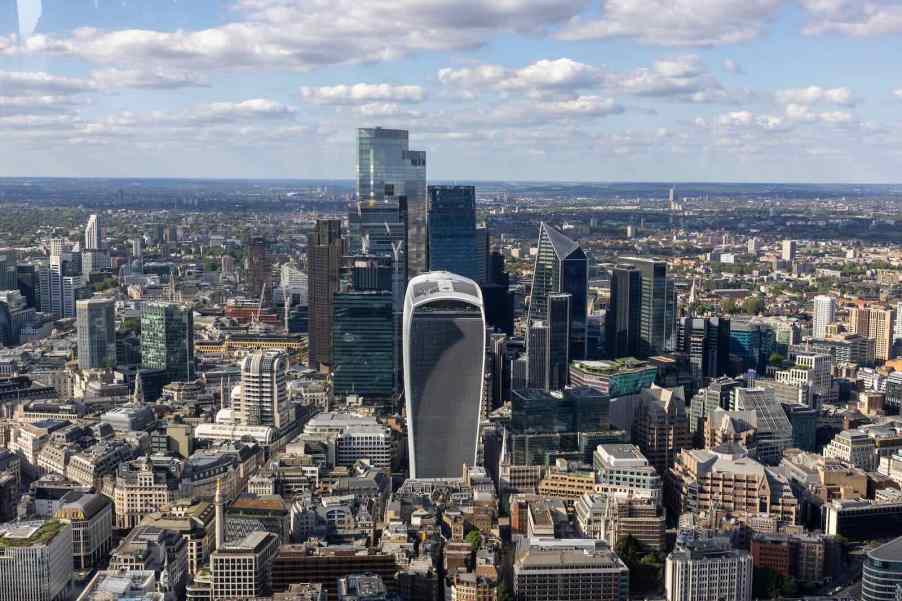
point(568, 570)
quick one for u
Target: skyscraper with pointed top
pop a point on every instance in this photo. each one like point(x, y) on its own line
point(561, 267)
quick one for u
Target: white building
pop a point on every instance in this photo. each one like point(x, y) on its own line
point(35, 560)
point(824, 314)
point(854, 447)
point(264, 392)
point(356, 437)
point(708, 570)
point(93, 234)
point(622, 470)
point(789, 250)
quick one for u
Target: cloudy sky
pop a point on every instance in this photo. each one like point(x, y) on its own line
point(664, 90)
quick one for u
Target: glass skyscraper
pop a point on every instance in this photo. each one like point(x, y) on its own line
point(363, 344)
point(561, 267)
point(96, 326)
point(558, 361)
point(444, 364)
point(657, 321)
point(167, 340)
point(452, 231)
point(324, 252)
point(388, 171)
point(624, 313)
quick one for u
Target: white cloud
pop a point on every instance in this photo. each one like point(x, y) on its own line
point(363, 93)
point(897, 93)
point(858, 18)
point(589, 106)
point(257, 108)
point(159, 78)
point(15, 83)
point(675, 22)
point(31, 105)
point(546, 75)
point(682, 78)
point(816, 95)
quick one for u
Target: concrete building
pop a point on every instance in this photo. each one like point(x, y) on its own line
point(91, 518)
point(353, 438)
point(854, 447)
point(264, 393)
point(141, 488)
point(824, 314)
point(242, 569)
point(622, 470)
point(661, 426)
point(568, 570)
point(708, 570)
point(613, 518)
point(36, 560)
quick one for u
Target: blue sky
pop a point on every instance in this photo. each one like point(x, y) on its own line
point(664, 90)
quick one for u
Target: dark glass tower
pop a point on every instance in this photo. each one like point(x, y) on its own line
point(363, 344)
point(167, 340)
point(657, 320)
point(707, 342)
point(452, 231)
point(561, 266)
point(259, 269)
point(324, 252)
point(537, 361)
point(558, 360)
point(624, 313)
point(444, 364)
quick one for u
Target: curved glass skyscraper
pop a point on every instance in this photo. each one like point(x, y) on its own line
point(444, 359)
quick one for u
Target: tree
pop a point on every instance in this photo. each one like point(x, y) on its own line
point(729, 306)
point(776, 359)
point(753, 305)
point(474, 537)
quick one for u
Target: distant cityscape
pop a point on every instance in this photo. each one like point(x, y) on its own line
point(401, 389)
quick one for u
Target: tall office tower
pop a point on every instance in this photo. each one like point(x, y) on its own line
point(56, 285)
point(57, 246)
point(294, 284)
point(661, 426)
point(537, 357)
point(27, 284)
point(95, 323)
point(367, 273)
point(444, 359)
point(624, 313)
point(138, 253)
point(44, 288)
point(657, 319)
point(708, 570)
point(520, 372)
point(167, 340)
point(264, 391)
point(387, 170)
point(363, 344)
point(37, 560)
point(561, 266)
point(789, 250)
point(824, 314)
point(259, 269)
point(324, 251)
point(451, 241)
point(558, 347)
point(880, 327)
point(93, 234)
point(71, 291)
point(483, 254)
point(859, 320)
point(707, 342)
point(717, 395)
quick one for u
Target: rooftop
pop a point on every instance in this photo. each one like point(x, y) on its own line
point(891, 551)
point(27, 534)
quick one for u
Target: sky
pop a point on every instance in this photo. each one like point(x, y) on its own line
point(555, 90)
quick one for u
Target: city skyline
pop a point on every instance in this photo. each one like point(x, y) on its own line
point(544, 90)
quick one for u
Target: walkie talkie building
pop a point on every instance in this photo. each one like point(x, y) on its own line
point(444, 361)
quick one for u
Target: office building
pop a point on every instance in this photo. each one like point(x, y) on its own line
point(324, 251)
point(444, 361)
point(167, 340)
point(451, 242)
point(568, 570)
point(621, 470)
point(93, 234)
point(538, 355)
point(36, 560)
point(773, 430)
point(706, 340)
point(613, 518)
point(657, 321)
point(95, 323)
point(717, 395)
point(847, 348)
point(558, 343)
point(661, 426)
point(243, 569)
point(561, 267)
point(258, 283)
point(881, 573)
point(350, 438)
point(824, 314)
point(620, 377)
point(624, 313)
point(854, 447)
point(881, 323)
point(708, 570)
point(788, 253)
point(752, 341)
point(387, 170)
point(91, 518)
point(363, 344)
point(264, 391)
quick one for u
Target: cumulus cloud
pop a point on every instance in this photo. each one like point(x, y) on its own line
point(363, 93)
point(546, 75)
point(16, 83)
point(816, 95)
point(675, 22)
point(257, 108)
point(590, 106)
point(160, 79)
point(731, 66)
point(858, 18)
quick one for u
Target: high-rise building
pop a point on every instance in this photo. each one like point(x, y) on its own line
point(558, 347)
point(824, 314)
point(167, 340)
point(324, 251)
point(93, 234)
point(444, 360)
point(707, 342)
point(561, 267)
point(789, 251)
point(881, 322)
point(452, 230)
point(259, 269)
point(387, 170)
point(881, 573)
point(363, 344)
point(537, 357)
point(624, 313)
point(95, 324)
point(657, 315)
point(661, 426)
point(242, 569)
point(708, 570)
point(483, 255)
point(36, 560)
point(264, 391)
